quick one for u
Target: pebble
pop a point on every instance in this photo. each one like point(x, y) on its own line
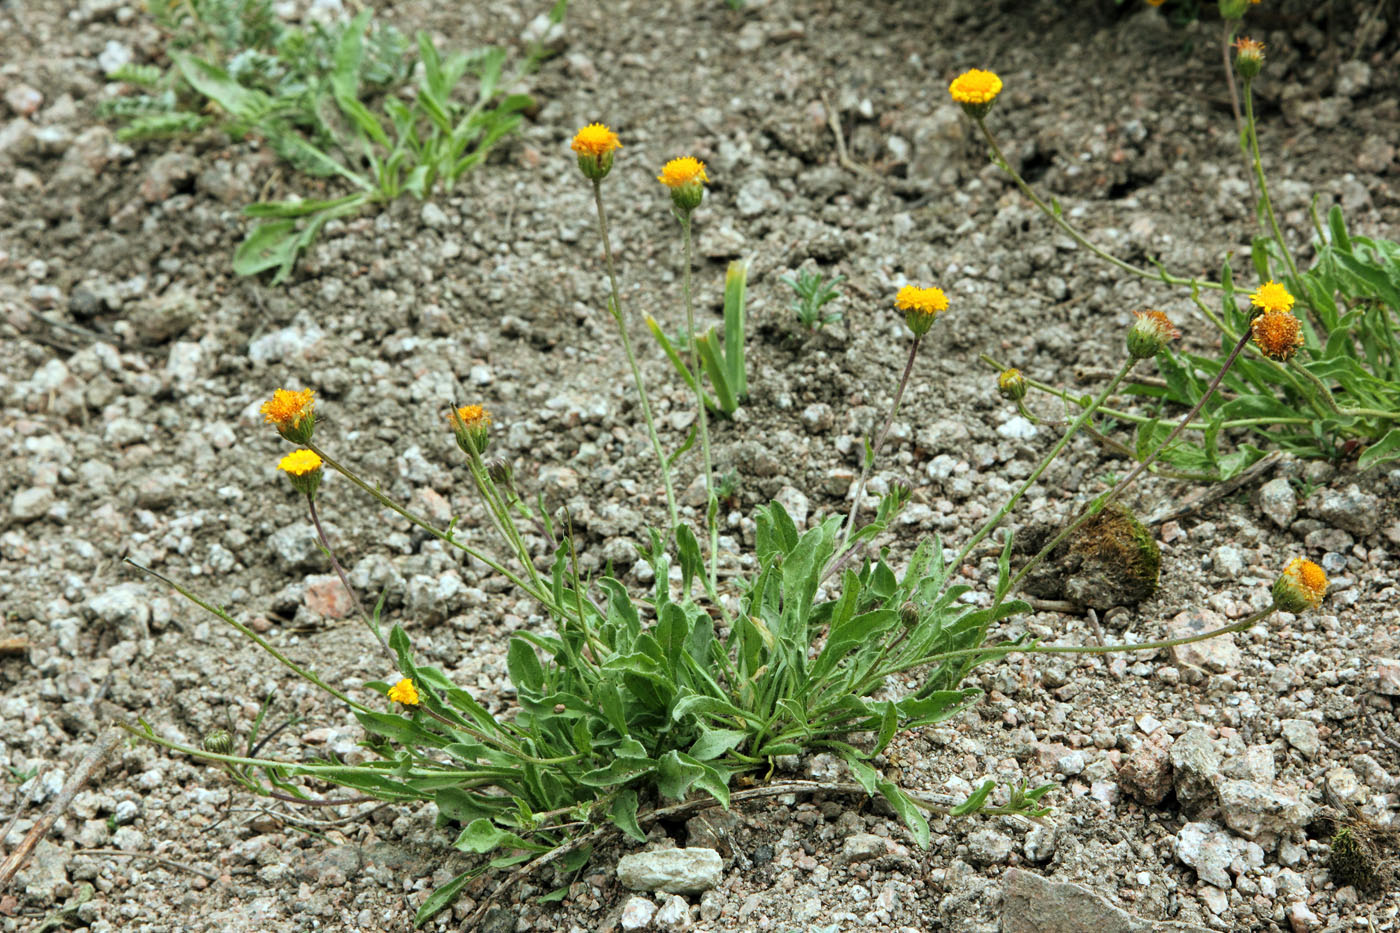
point(1386, 676)
point(1040, 843)
point(796, 504)
point(988, 847)
point(1032, 904)
point(1017, 428)
point(1195, 761)
point(1302, 735)
point(637, 913)
point(126, 604)
point(1210, 849)
point(32, 503)
point(675, 871)
point(1216, 655)
point(433, 216)
point(674, 914)
point(113, 56)
point(1279, 502)
point(1261, 812)
point(24, 100)
point(1216, 900)
point(863, 847)
point(1350, 510)
point(757, 198)
point(1300, 918)
point(1147, 771)
point(1227, 561)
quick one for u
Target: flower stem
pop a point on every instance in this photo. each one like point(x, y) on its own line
point(345, 580)
point(1230, 26)
point(1057, 217)
point(1104, 499)
point(642, 398)
point(1263, 183)
point(1049, 458)
point(711, 504)
point(880, 439)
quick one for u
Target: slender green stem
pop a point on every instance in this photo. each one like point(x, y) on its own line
point(642, 398)
point(1324, 393)
point(257, 639)
point(501, 516)
point(539, 595)
point(1037, 648)
point(1057, 217)
point(880, 440)
point(1240, 137)
point(345, 580)
point(1263, 183)
point(712, 518)
point(1104, 499)
point(1049, 458)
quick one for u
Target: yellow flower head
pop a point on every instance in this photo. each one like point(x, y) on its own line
point(471, 425)
point(293, 413)
point(1271, 296)
point(686, 170)
point(404, 692)
point(1155, 2)
point(1301, 586)
point(1277, 334)
point(595, 144)
point(303, 468)
point(920, 306)
point(595, 139)
point(300, 462)
point(975, 90)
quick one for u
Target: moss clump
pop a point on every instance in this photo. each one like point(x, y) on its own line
point(1354, 859)
point(1110, 560)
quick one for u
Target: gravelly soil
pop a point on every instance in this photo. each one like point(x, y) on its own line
point(130, 429)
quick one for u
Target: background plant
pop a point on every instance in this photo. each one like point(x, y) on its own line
point(812, 295)
point(304, 92)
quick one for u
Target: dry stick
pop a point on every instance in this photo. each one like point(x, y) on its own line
point(168, 863)
point(105, 743)
point(704, 803)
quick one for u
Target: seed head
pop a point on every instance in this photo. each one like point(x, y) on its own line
point(1150, 334)
point(1249, 57)
point(595, 144)
point(976, 90)
point(1300, 587)
point(293, 413)
point(1277, 334)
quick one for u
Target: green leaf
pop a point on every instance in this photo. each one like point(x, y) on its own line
point(444, 896)
point(675, 776)
point(619, 771)
point(706, 346)
point(1383, 450)
point(483, 836)
point(735, 281)
point(524, 666)
point(269, 245)
point(1338, 226)
point(975, 802)
point(241, 103)
point(908, 811)
point(623, 814)
point(715, 742)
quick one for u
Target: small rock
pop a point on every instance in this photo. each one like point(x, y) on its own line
point(1256, 764)
point(1278, 502)
point(1209, 848)
point(44, 878)
point(1195, 762)
point(1302, 735)
point(1300, 918)
point(1353, 78)
point(1217, 655)
point(1262, 813)
point(674, 914)
point(433, 216)
point(863, 847)
point(1017, 428)
point(1147, 772)
point(1040, 843)
point(637, 913)
point(757, 197)
point(1350, 510)
point(1386, 676)
point(125, 604)
point(987, 847)
point(1228, 561)
point(31, 504)
point(1343, 784)
point(168, 173)
point(1032, 904)
point(675, 871)
point(113, 56)
point(297, 547)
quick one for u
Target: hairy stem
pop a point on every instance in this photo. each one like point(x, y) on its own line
point(880, 439)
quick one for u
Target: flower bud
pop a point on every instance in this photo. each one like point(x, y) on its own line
point(1011, 385)
point(303, 468)
point(686, 178)
point(1150, 334)
point(471, 425)
point(219, 742)
point(975, 91)
point(1300, 587)
point(293, 413)
point(921, 307)
point(1249, 57)
point(909, 615)
point(1234, 9)
point(500, 472)
point(595, 144)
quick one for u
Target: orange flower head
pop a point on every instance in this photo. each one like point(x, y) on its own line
point(293, 413)
point(1271, 296)
point(404, 692)
point(687, 179)
point(1155, 2)
point(1300, 587)
point(975, 90)
point(1277, 334)
point(471, 425)
point(1249, 56)
point(595, 144)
